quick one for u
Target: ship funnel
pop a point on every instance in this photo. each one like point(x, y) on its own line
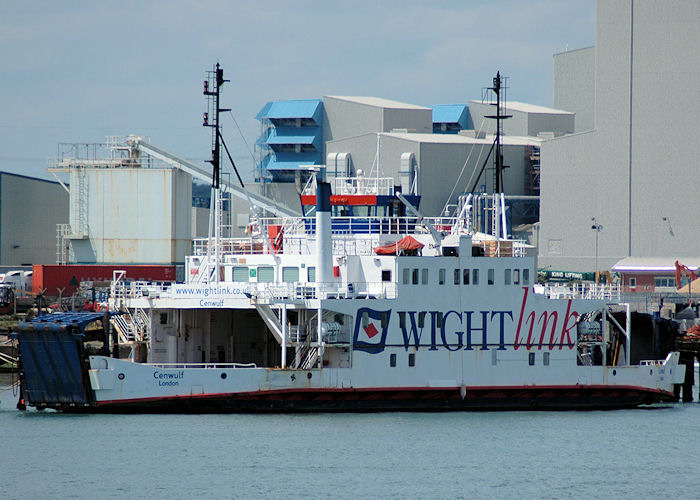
point(324, 245)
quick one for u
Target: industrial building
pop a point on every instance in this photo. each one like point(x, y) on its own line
point(656, 274)
point(132, 203)
point(30, 209)
point(419, 147)
point(124, 208)
point(624, 184)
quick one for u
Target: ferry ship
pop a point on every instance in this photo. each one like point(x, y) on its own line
point(364, 306)
point(350, 314)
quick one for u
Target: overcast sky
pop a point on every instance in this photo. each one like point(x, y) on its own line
point(80, 71)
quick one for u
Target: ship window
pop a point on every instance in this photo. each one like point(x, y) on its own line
point(386, 275)
point(456, 276)
point(312, 273)
point(506, 277)
point(266, 274)
point(526, 276)
point(531, 358)
point(163, 318)
point(633, 282)
point(424, 276)
point(392, 359)
point(406, 276)
point(465, 276)
point(490, 278)
point(290, 274)
point(240, 273)
point(412, 359)
point(421, 319)
point(516, 276)
point(475, 277)
point(441, 276)
point(545, 358)
point(415, 277)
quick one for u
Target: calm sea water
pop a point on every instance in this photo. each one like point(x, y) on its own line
point(594, 454)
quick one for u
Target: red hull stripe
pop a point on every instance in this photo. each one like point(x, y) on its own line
point(482, 392)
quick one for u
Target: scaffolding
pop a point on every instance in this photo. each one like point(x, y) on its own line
point(532, 170)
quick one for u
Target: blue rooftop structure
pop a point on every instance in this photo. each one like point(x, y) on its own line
point(292, 136)
point(451, 118)
point(296, 135)
point(293, 109)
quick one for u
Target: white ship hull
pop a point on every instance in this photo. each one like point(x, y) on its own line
point(145, 388)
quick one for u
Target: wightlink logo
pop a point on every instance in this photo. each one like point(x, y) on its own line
point(371, 328)
point(533, 328)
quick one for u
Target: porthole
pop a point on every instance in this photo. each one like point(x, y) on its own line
point(120, 376)
point(614, 372)
point(223, 375)
point(309, 375)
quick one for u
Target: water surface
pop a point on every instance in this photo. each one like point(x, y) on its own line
point(595, 454)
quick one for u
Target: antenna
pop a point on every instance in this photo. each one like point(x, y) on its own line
point(216, 80)
point(499, 90)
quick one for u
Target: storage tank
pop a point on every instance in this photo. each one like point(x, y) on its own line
point(130, 215)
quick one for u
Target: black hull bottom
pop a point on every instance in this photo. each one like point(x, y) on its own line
point(375, 400)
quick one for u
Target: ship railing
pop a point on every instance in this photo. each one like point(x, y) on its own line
point(124, 329)
point(201, 365)
point(140, 289)
point(597, 291)
point(298, 236)
point(229, 246)
point(383, 186)
point(271, 292)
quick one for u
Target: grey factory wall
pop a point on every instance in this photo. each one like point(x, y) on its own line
point(517, 125)
point(665, 148)
point(558, 123)
point(574, 85)
point(414, 120)
point(29, 211)
point(439, 164)
point(363, 150)
point(344, 119)
point(639, 165)
point(522, 122)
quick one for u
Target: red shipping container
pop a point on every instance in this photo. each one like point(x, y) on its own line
point(68, 277)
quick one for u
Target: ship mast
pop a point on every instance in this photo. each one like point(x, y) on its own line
point(499, 92)
point(215, 77)
point(498, 89)
point(497, 208)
